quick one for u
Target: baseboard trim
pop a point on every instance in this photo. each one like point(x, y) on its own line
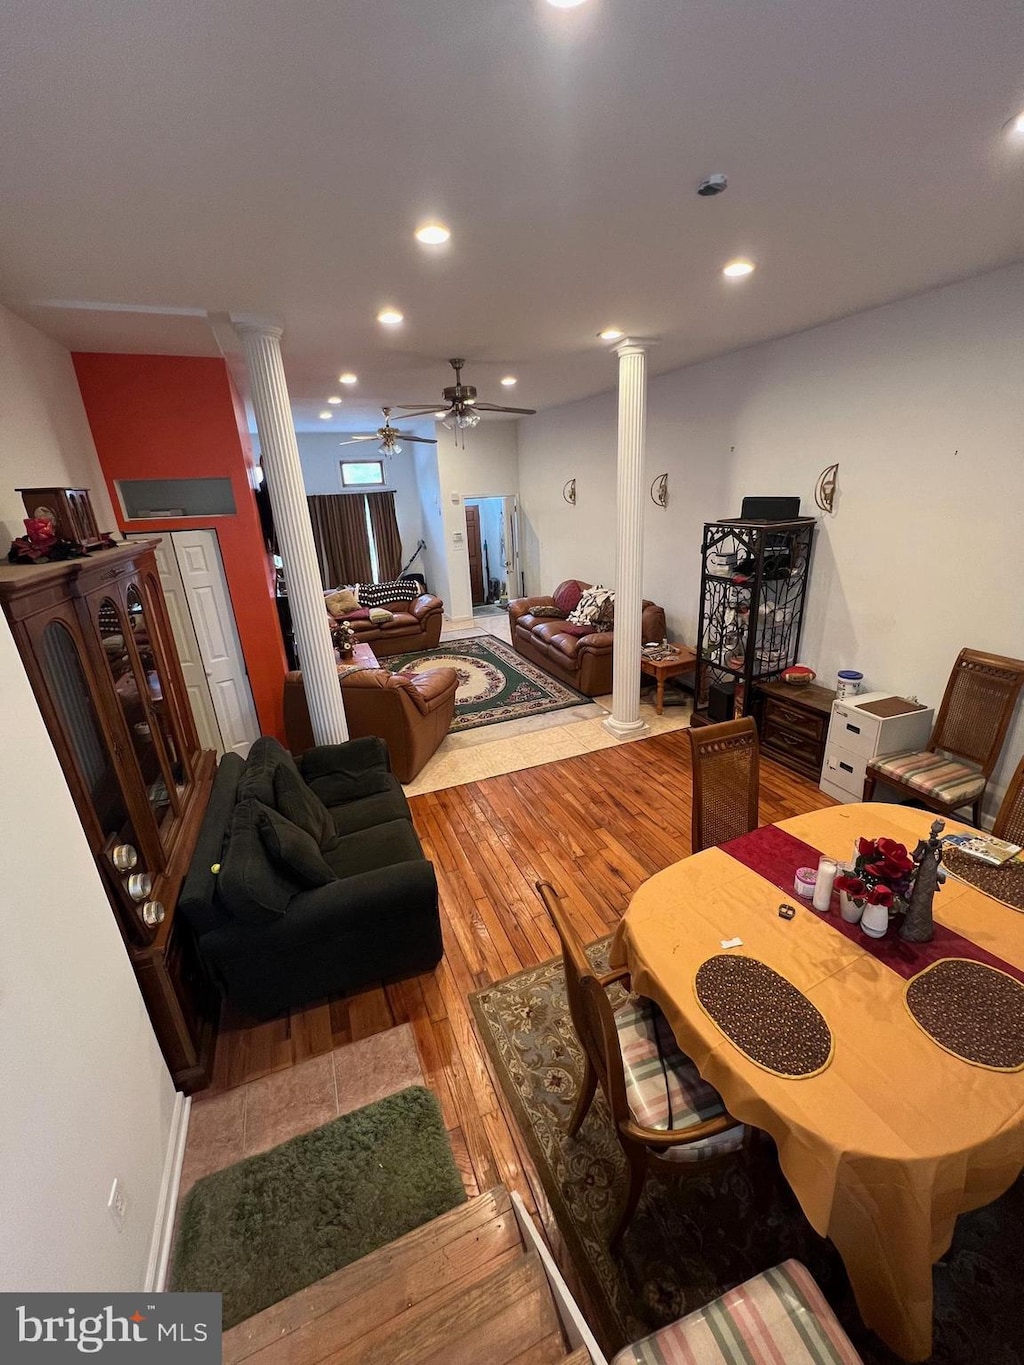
point(163, 1228)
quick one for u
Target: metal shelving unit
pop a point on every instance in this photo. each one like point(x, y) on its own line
point(752, 590)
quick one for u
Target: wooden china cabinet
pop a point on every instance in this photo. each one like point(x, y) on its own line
point(97, 646)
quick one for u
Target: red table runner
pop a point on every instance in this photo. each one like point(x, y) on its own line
point(776, 855)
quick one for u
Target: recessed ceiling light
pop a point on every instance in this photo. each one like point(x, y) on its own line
point(611, 334)
point(432, 234)
point(334, 399)
point(1015, 127)
point(348, 378)
point(390, 317)
point(736, 269)
point(509, 381)
point(326, 416)
point(565, 4)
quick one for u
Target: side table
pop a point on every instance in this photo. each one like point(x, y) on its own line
point(682, 660)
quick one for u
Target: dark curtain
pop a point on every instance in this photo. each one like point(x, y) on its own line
point(385, 535)
point(342, 543)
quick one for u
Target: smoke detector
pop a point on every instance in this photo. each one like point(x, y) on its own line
point(712, 185)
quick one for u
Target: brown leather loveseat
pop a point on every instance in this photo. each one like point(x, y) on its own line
point(578, 655)
point(411, 714)
point(416, 625)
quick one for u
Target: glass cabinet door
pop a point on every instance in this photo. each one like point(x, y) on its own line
point(135, 690)
point(162, 714)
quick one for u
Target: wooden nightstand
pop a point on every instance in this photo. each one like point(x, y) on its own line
point(793, 723)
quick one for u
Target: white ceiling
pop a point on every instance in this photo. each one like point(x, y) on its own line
point(273, 157)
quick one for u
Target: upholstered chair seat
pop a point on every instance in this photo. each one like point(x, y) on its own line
point(780, 1315)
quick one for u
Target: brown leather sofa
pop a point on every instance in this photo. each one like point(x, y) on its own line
point(583, 660)
point(416, 625)
point(411, 714)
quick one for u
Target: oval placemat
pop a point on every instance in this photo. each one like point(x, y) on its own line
point(1004, 883)
point(973, 1011)
point(772, 1023)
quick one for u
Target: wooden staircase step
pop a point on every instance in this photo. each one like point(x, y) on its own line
point(581, 1356)
point(442, 1255)
point(507, 1316)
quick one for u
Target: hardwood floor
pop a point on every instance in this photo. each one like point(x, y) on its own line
point(596, 826)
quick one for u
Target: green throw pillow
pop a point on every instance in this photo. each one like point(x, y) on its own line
point(251, 885)
point(291, 849)
point(295, 801)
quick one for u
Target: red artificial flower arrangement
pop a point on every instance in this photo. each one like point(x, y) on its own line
point(883, 874)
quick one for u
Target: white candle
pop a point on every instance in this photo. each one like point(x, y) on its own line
point(827, 871)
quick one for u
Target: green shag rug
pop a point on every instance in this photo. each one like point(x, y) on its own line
point(274, 1223)
point(495, 683)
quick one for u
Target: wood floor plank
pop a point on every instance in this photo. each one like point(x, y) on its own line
point(345, 1306)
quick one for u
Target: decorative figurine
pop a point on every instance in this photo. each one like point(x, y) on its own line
point(917, 926)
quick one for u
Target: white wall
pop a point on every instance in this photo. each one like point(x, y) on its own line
point(321, 454)
point(86, 1095)
point(921, 403)
point(46, 441)
point(487, 467)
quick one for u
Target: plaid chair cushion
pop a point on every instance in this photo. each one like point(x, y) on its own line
point(778, 1316)
point(946, 779)
point(654, 1077)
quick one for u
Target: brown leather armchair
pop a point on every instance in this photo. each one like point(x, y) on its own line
point(584, 660)
point(411, 714)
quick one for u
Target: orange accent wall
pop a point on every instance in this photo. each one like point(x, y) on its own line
point(179, 417)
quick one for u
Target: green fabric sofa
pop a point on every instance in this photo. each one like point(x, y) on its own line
point(308, 878)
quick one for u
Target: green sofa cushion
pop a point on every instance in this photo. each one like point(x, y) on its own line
point(251, 886)
point(293, 850)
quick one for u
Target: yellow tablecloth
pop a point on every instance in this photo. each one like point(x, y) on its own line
point(894, 1139)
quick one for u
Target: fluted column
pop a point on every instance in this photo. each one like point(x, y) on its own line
point(262, 345)
point(629, 545)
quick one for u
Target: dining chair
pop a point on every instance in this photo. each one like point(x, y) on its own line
point(953, 769)
point(666, 1117)
point(1009, 823)
point(726, 768)
point(779, 1315)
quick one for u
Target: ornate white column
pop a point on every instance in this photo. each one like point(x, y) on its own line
point(262, 345)
point(629, 550)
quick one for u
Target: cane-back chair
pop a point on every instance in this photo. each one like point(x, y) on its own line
point(953, 769)
point(1009, 823)
point(726, 777)
point(665, 1115)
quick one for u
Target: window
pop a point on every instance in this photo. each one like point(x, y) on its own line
point(362, 474)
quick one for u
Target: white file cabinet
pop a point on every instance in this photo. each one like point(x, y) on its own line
point(864, 727)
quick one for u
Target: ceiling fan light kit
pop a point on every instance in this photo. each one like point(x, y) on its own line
point(389, 437)
point(464, 407)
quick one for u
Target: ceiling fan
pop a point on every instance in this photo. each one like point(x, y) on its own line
point(463, 407)
point(388, 436)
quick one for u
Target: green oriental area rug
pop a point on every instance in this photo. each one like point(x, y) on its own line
point(268, 1226)
point(495, 683)
point(692, 1239)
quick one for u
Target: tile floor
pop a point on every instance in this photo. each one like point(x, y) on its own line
point(495, 749)
point(261, 1114)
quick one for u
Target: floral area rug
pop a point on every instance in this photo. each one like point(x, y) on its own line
point(495, 683)
point(691, 1239)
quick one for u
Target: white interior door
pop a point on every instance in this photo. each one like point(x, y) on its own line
point(196, 682)
point(513, 564)
point(206, 589)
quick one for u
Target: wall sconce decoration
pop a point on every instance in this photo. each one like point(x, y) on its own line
point(659, 491)
point(569, 492)
point(825, 488)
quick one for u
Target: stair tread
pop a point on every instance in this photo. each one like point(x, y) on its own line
point(498, 1318)
point(581, 1356)
point(460, 1246)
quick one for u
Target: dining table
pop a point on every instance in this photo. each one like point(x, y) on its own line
point(892, 1136)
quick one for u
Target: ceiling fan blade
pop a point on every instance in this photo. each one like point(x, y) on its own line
point(423, 440)
point(496, 407)
point(421, 412)
point(421, 407)
point(354, 440)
